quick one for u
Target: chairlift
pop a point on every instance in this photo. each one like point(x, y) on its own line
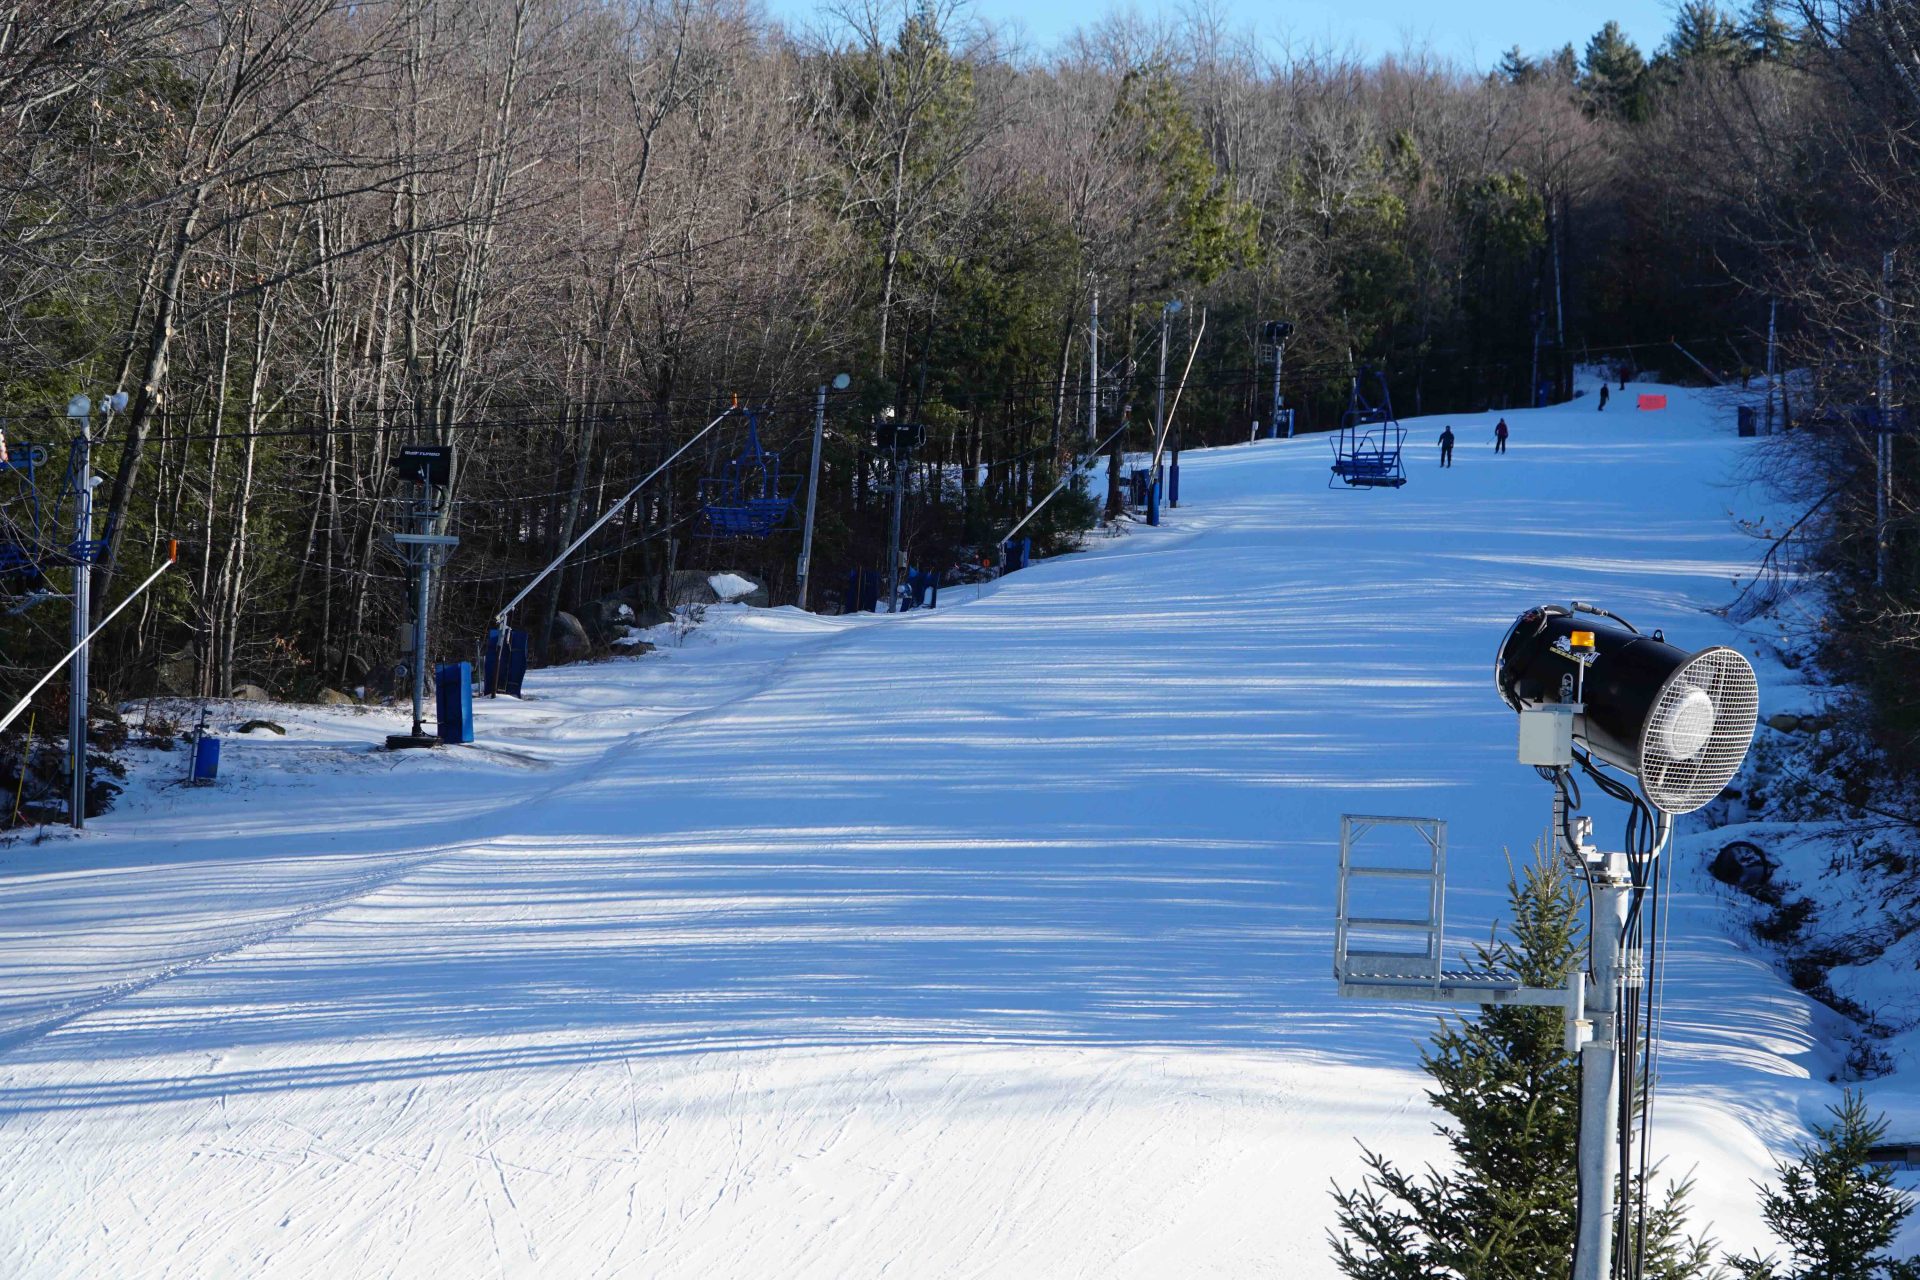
point(1366, 449)
point(750, 498)
point(32, 536)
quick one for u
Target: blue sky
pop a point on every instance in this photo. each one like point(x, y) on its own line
point(1475, 31)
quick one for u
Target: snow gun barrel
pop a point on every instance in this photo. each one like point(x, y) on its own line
point(1681, 722)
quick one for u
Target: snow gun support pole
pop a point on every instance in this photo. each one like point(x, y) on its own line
point(500, 618)
point(1599, 1153)
point(429, 469)
point(1592, 1002)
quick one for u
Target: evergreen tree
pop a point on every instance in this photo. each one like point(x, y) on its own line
point(1702, 33)
point(1613, 77)
point(1516, 67)
point(1510, 1091)
point(1835, 1210)
point(1206, 229)
point(1565, 65)
point(1767, 35)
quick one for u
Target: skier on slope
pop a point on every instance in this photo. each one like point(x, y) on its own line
point(1446, 446)
point(1603, 395)
point(1500, 434)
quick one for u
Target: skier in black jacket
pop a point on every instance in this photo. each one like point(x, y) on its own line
point(1446, 446)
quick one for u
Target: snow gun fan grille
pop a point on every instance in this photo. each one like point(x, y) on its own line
point(1698, 734)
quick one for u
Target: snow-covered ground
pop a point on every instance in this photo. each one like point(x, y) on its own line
point(987, 941)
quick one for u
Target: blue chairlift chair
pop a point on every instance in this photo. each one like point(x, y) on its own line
point(32, 537)
point(750, 498)
point(1366, 449)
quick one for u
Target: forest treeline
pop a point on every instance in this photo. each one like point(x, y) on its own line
point(562, 235)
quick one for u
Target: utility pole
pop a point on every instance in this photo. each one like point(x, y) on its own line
point(83, 553)
point(82, 604)
point(895, 438)
point(422, 578)
point(1533, 383)
point(1773, 337)
point(893, 535)
point(1276, 333)
point(430, 468)
point(1559, 307)
point(1093, 370)
point(813, 482)
point(1279, 359)
point(1160, 380)
point(1883, 438)
point(80, 410)
point(1167, 313)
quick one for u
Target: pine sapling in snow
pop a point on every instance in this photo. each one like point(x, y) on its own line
point(1835, 1210)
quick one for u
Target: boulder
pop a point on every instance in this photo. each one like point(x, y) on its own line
point(569, 641)
point(334, 698)
point(1784, 722)
point(1744, 865)
point(268, 725)
point(690, 586)
point(605, 618)
point(250, 693)
point(737, 588)
point(178, 673)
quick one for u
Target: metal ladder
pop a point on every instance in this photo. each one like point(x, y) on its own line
point(1376, 966)
point(1378, 970)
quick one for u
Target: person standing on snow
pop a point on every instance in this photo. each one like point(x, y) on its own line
point(1603, 395)
point(1500, 436)
point(1446, 446)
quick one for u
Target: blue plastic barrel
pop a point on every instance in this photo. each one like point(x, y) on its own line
point(206, 759)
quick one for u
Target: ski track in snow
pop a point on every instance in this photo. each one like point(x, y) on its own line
point(987, 941)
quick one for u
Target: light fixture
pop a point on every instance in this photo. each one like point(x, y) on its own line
point(842, 381)
point(1680, 722)
point(79, 407)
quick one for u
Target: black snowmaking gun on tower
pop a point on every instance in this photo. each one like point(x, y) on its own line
point(1596, 695)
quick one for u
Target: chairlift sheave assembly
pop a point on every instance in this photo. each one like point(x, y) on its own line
point(750, 498)
point(1367, 448)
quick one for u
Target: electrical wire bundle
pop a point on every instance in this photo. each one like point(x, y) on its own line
point(1637, 1011)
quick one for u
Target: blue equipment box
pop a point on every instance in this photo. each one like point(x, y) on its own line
point(453, 701)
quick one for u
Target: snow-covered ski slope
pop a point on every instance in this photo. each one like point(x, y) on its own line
point(987, 941)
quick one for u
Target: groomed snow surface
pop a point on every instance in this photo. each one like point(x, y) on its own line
point(993, 940)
